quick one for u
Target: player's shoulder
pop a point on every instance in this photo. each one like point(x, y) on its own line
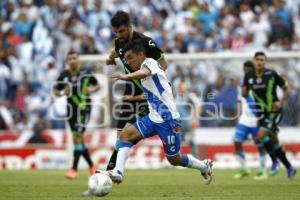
point(269, 71)
point(140, 36)
point(65, 73)
point(85, 72)
point(149, 61)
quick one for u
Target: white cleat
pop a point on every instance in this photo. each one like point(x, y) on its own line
point(207, 175)
point(115, 176)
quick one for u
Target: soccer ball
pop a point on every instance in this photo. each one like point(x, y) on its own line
point(100, 184)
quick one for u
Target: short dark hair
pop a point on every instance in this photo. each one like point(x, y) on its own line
point(120, 18)
point(71, 52)
point(260, 53)
point(249, 64)
point(135, 46)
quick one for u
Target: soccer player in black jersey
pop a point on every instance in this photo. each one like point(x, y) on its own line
point(133, 96)
point(78, 84)
point(263, 83)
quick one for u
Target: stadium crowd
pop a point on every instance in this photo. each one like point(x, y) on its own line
point(37, 34)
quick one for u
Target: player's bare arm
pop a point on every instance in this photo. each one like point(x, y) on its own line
point(111, 58)
point(140, 97)
point(163, 63)
point(245, 91)
point(92, 89)
point(142, 73)
point(278, 104)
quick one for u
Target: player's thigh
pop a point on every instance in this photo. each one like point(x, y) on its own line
point(77, 129)
point(270, 123)
point(145, 126)
point(275, 139)
point(125, 116)
point(78, 138)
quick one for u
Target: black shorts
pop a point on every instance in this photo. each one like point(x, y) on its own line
point(130, 113)
point(78, 120)
point(270, 121)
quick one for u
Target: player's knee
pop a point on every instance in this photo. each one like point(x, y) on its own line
point(130, 136)
point(237, 145)
point(127, 136)
point(77, 140)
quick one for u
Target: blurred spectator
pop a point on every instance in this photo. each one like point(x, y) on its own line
point(189, 110)
point(208, 18)
point(6, 118)
point(35, 39)
point(38, 128)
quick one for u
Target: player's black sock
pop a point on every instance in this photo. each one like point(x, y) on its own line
point(76, 159)
point(87, 157)
point(112, 161)
point(281, 155)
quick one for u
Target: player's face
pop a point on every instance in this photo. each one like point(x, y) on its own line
point(134, 60)
point(122, 33)
point(259, 62)
point(73, 61)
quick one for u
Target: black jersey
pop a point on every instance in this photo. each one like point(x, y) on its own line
point(263, 87)
point(152, 51)
point(78, 82)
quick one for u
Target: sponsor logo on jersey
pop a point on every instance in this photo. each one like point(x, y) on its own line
point(258, 80)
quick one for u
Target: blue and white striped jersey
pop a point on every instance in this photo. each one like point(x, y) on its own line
point(158, 93)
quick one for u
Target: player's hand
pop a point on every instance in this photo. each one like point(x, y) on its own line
point(119, 76)
point(111, 58)
point(90, 90)
point(277, 105)
point(67, 90)
point(127, 98)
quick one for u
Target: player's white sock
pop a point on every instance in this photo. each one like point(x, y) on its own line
point(122, 157)
point(262, 162)
point(241, 159)
point(196, 164)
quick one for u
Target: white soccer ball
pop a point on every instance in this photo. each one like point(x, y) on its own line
point(100, 184)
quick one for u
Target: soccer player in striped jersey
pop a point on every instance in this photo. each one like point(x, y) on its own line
point(163, 119)
point(133, 95)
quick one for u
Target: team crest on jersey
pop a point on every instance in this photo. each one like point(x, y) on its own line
point(250, 81)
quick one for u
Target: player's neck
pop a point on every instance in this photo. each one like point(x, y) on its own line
point(130, 36)
point(259, 72)
point(74, 71)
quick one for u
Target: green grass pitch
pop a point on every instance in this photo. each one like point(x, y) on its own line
point(164, 184)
